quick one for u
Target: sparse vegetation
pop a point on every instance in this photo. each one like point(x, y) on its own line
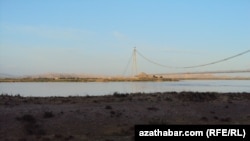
point(48, 115)
point(116, 94)
point(116, 114)
point(27, 118)
point(108, 107)
point(197, 97)
point(158, 121)
point(153, 109)
point(74, 117)
point(204, 119)
point(78, 79)
point(227, 119)
point(30, 124)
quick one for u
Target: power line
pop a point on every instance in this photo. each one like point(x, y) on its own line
point(125, 70)
point(153, 62)
point(195, 66)
point(208, 72)
point(222, 60)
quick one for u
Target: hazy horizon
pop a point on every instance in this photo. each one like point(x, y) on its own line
point(98, 37)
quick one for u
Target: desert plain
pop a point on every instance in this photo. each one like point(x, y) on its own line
point(112, 117)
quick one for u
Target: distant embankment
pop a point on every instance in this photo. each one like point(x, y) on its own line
point(140, 77)
point(115, 79)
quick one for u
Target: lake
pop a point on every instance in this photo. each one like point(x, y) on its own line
point(105, 88)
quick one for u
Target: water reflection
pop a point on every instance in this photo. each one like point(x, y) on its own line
point(104, 88)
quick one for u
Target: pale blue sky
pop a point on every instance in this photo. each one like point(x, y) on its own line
point(98, 36)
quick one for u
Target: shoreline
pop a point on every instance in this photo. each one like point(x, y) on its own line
point(118, 94)
point(112, 117)
point(134, 79)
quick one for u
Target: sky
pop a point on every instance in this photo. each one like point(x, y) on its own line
point(98, 36)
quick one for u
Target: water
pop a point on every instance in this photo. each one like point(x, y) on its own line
point(105, 88)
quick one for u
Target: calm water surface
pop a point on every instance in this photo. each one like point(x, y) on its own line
point(105, 88)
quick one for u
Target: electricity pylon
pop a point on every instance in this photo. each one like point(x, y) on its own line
point(134, 65)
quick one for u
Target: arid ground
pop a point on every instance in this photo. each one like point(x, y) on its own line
point(112, 118)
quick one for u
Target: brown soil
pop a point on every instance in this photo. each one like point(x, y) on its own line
point(112, 118)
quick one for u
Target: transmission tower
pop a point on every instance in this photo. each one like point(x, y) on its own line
point(134, 65)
